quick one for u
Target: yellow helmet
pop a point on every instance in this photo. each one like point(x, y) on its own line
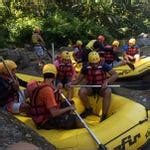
point(132, 41)
point(78, 42)
point(115, 43)
point(93, 57)
point(50, 68)
point(65, 55)
point(9, 64)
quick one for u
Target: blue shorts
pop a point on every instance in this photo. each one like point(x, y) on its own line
point(39, 50)
point(115, 63)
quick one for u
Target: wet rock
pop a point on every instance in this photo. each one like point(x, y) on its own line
point(13, 131)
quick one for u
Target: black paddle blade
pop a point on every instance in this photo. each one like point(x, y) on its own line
point(131, 66)
point(102, 147)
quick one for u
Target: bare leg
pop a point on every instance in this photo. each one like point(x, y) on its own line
point(106, 103)
point(83, 94)
point(69, 93)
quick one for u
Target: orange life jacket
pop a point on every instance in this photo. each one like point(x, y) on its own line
point(132, 51)
point(95, 76)
point(37, 111)
point(65, 72)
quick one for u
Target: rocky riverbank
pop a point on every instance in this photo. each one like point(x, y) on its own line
point(14, 131)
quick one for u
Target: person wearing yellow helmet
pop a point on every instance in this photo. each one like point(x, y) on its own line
point(46, 108)
point(93, 45)
point(66, 73)
point(94, 72)
point(39, 45)
point(131, 51)
point(78, 51)
point(11, 98)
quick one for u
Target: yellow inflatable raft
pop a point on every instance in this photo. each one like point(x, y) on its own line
point(142, 68)
point(126, 127)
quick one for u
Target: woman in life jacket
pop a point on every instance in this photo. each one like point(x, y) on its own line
point(95, 74)
point(39, 44)
point(66, 73)
point(46, 110)
point(12, 99)
point(78, 51)
point(131, 51)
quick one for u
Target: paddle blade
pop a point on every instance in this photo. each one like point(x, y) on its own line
point(131, 66)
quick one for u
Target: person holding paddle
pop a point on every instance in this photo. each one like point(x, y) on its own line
point(95, 74)
point(47, 109)
point(12, 99)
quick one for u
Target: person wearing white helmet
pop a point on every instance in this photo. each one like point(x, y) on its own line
point(131, 51)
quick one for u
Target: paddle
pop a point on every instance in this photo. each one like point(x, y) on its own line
point(130, 65)
point(113, 86)
point(48, 53)
point(101, 146)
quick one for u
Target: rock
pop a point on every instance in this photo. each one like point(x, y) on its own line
point(13, 131)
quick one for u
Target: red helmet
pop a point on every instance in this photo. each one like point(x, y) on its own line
point(101, 38)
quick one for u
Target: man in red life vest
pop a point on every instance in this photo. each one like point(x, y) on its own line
point(95, 74)
point(46, 111)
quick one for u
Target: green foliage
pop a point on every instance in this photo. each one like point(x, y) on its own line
point(21, 29)
point(64, 21)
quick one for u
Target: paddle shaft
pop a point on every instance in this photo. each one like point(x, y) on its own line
point(12, 77)
point(94, 86)
point(146, 86)
point(101, 146)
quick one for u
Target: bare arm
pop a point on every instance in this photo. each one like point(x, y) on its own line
point(113, 77)
point(41, 39)
point(78, 80)
point(57, 112)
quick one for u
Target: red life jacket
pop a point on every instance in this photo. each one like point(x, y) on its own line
point(65, 71)
point(132, 51)
point(37, 111)
point(95, 76)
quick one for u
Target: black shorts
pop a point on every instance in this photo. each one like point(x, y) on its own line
point(66, 121)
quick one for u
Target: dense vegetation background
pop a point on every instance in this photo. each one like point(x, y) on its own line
point(65, 21)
